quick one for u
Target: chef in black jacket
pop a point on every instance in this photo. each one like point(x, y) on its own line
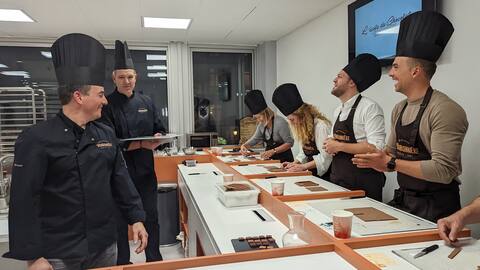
point(69, 175)
point(275, 128)
point(359, 127)
point(133, 114)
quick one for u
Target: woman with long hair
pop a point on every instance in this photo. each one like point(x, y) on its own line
point(272, 131)
point(310, 128)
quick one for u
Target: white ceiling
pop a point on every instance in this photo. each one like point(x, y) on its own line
point(241, 22)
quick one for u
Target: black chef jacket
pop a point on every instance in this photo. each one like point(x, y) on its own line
point(65, 185)
point(134, 117)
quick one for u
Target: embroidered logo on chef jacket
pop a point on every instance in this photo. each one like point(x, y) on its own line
point(17, 165)
point(142, 110)
point(104, 144)
point(340, 135)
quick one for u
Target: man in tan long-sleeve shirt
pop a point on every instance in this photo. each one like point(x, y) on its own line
point(428, 127)
point(442, 128)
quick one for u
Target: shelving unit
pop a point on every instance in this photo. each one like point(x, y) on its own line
point(20, 107)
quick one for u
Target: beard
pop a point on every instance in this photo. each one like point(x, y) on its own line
point(338, 91)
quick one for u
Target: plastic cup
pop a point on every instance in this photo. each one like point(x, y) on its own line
point(228, 178)
point(217, 150)
point(342, 223)
point(278, 187)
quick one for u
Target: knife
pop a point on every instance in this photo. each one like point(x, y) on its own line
point(425, 251)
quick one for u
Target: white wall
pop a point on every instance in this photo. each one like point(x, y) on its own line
point(265, 69)
point(312, 55)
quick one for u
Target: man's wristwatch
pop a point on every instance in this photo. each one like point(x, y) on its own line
point(392, 164)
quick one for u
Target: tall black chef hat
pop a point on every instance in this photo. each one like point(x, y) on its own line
point(79, 60)
point(287, 98)
point(255, 101)
point(424, 35)
point(364, 70)
point(123, 58)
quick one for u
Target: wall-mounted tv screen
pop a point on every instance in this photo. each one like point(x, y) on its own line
point(373, 26)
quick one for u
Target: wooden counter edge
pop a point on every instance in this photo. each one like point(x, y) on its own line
point(397, 238)
point(227, 258)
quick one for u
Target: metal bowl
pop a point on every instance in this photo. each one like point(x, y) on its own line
point(189, 150)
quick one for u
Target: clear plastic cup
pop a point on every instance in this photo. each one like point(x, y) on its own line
point(217, 150)
point(228, 178)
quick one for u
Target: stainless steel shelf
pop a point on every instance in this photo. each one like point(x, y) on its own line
point(20, 107)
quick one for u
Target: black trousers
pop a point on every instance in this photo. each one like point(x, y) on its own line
point(148, 193)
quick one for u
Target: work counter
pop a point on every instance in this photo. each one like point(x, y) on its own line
point(214, 224)
point(209, 226)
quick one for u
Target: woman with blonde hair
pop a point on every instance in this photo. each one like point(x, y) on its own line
point(310, 128)
point(272, 131)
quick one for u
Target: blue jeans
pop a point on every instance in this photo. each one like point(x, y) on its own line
point(107, 257)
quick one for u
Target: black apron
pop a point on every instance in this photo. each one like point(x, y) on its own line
point(344, 172)
point(271, 144)
point(310, 149)
point(426, 199)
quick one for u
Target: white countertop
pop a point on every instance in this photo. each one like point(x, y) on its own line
point(292, 189)
point(159, 153)
point(327, 260)
point(405, 222)
point(468, 258)
point(225, 223)
point(239, 158)
point(255, 168)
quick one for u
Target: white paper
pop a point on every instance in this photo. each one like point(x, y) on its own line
point(405, 222)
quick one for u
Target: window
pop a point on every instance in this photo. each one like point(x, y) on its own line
point(151, 67)
point(33, 67)
point(220, 80)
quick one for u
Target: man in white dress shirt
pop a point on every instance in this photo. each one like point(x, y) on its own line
point(359, 127)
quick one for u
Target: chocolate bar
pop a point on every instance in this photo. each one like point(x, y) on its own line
point(248, 243)
point(316, 189)
point(236, 187)
point(306, 184)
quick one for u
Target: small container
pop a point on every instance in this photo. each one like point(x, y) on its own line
point(278, 186)
point(237, 198)
point(217, 150)
point(171, 151)
point(342, 223)
point(228, 178)
point(189, 150)
point(190, 162)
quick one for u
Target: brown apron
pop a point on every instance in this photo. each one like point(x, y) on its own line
point(271, 144)
point(426, 199)
point(344, 172)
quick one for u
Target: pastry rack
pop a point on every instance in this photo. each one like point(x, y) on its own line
point(20, 107)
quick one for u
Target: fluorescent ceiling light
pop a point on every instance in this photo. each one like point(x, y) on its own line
point(14, 15)
point(46, 54)
point(156, 74)
point(22, 73)
point(157, 67)
point(153, 57)
point(3, 66)
point(389, 31)
point(169, 23)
